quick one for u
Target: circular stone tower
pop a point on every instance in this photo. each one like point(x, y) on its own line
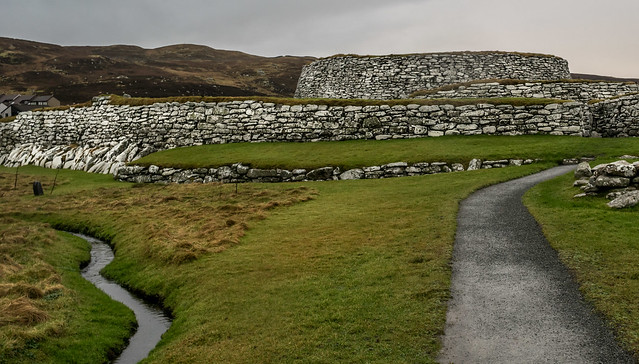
point(397, 76)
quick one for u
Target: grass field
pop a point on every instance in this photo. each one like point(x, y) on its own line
point(360, 153)
point(346, 271)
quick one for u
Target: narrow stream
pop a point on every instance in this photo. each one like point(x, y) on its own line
point(152, 322)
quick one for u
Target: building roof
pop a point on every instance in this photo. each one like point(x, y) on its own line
point(19, 99)
point(41, 98)
point(7, 98)
point(23, 107)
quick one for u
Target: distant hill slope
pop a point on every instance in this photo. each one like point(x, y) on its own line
point(582, 76)
point(75, 74)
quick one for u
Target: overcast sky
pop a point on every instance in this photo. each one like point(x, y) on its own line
point(595, 36)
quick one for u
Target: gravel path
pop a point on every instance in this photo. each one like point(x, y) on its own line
point(513, 301)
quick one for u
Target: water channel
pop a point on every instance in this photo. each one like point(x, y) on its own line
point(152, 322)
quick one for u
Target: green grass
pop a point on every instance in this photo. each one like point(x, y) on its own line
point(360, 273)
point(599, 245)
point(63, 318)
point(361, 153)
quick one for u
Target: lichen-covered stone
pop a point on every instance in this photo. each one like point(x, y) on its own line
point(628, 199)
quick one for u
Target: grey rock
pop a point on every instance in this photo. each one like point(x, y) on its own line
point(474, 164)
point(351, 174)
point(580, 182)
point(241, 169)
point(299, 171)
point(628, 199)
point(611, 182)
point(583, 170)
point(261, 173)
point(325, 173)
point(621, 168)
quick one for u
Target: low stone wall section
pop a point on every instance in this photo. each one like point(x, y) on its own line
point(397, 76)
point(239, 173)
point(577, 91)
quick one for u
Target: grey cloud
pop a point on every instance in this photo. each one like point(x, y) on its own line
point(595, 36)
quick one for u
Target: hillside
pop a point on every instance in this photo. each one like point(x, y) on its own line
point(581, 76)
point(75, 74)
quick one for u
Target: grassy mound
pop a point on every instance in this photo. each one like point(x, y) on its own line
point(361, 153)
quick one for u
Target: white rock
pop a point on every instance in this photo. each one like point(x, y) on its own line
point(351, 174)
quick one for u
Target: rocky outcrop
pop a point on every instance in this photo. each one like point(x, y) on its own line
point(618, 180)
point(397, 76)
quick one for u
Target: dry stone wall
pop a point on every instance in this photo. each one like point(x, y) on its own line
point(577, 91)
point(102, 138)
point(618, 117)
point(396, 77)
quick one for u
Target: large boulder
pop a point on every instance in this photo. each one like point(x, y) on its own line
point(621, 168)
point(583, 170)
point(628, 199)
point(356, 173)
point(604, 181)
point(325, 173)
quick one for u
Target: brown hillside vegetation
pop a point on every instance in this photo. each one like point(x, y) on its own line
point(75, 74)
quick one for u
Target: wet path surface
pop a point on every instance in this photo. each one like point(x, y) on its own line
point(513, 301)
point(152, 322)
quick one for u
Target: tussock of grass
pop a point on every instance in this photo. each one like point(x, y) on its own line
point(22, 311)
point(7, 119)
point(599, 244)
